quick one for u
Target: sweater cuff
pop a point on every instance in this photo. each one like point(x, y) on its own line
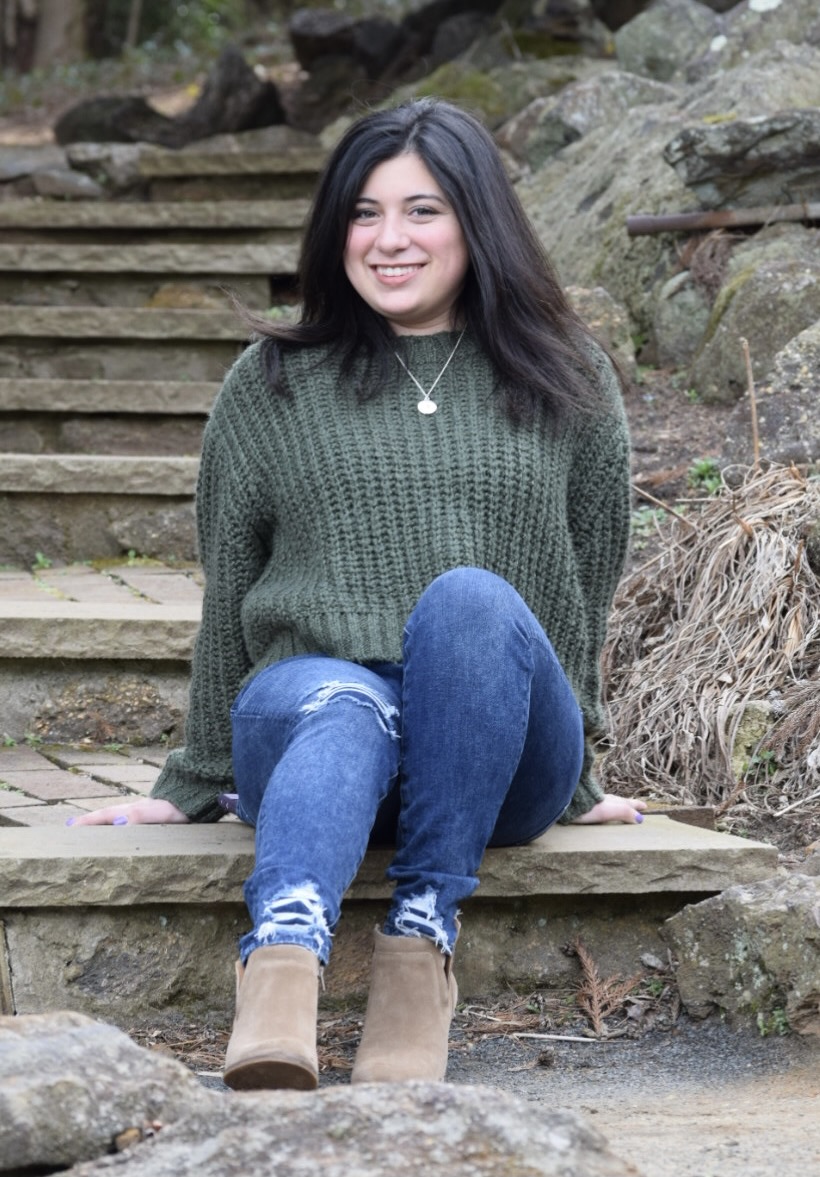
point(196, 795)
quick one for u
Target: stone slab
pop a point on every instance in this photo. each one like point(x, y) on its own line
point(124, 324)
point(87, 631)
point(166, 258)
point(98, 474)
point(207, 864)
point(157, 162)
point(178, 397)
point(154, 215)
point(56, 785)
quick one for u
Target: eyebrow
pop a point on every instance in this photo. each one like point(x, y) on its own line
point(407, 199)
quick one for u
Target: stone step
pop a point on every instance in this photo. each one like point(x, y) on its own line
point(253, 158)
point(177, 397)
point(170, 897)
point(150, 216)
point(159, 258)
point(122, 323)
point(98, 474)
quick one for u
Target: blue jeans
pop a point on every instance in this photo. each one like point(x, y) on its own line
point(475, 739)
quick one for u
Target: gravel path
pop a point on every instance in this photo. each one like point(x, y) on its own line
point(698, 1101)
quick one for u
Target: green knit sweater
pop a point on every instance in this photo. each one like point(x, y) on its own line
point(322, 519)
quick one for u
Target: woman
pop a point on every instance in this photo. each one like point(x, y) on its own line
point(400, 498)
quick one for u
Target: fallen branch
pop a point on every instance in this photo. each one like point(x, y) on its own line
point(643, 224)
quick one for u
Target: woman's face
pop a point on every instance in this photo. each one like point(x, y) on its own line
point(405, 253)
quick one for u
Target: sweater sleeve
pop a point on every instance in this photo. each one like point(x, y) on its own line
point(599, 514)
point(233, 556)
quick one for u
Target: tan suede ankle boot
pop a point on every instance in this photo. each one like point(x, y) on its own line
point(273, 1043)
point(412, 997)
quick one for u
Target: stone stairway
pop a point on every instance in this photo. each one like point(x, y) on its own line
point(116, 329)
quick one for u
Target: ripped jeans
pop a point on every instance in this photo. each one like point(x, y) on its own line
point(475, 739)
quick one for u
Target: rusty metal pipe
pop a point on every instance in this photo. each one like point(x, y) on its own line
point(643, 224)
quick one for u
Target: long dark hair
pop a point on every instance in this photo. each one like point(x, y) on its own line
point(511, 300)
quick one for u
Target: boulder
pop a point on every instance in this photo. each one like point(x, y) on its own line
point(751, 27)
point(787, 414)
point(73, 1090)
point(71, 1087)
point(750, 162)
point(609, 321)
point(67, 184)
point(373, 1130)
point(580, 198)
point(320, 32)
point(753, 952)
point(549, 123)
point(771, 294)
point(232, 99)
point(665, 35)
point(125, 118)
point(679, 320)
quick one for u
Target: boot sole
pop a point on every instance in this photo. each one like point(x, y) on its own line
point(271, 1074)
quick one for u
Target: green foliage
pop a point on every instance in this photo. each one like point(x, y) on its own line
point(704, 475)
point(32, 740)
point(762, 764)
point(693, 396)
point(8, 741)
point(643, 525)
point(40, 562)
point(775, 1022)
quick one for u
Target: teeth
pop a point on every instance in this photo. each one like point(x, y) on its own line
point(396, 271)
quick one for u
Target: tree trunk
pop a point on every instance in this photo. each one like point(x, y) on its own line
point(60, 33)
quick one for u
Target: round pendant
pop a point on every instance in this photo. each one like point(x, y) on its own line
point(427, 407)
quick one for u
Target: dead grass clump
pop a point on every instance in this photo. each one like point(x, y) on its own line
point(728, 614)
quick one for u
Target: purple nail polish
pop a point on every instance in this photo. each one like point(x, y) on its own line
point(69, 821)
point(122, 820)
point(638, 817)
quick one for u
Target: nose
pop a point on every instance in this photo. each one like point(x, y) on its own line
point(392, 235)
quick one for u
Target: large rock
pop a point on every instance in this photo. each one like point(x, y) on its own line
point(668, 33)
point(69, 1087)
point(72, 1090)
point(753, 952)
point(749, 28)
point(750, 162)
point(374, 1130)
point(549, 123)
point(771, 294)
point(787, 408)
point(580, 199)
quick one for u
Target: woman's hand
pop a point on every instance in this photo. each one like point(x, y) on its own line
point(612, 808)
point(146, 811)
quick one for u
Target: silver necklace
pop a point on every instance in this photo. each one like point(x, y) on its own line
point(426, 405)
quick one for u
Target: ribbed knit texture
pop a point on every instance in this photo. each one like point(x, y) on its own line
point(321, 521)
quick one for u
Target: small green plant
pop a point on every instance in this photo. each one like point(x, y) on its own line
point(114, 747)
point(775, 1023)
point(693, 396)
point(762, 764)
point(704, 476)
point(32, 740)
point(40, 562)
point(655, 986)
point(8, 741)
point(643, 524)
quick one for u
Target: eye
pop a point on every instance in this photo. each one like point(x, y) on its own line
point(423, 210)
point(363, 214)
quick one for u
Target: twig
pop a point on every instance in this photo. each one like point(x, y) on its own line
point(750, 384)
point(556, 1037)
point(664, 506)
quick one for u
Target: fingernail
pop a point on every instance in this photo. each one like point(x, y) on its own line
point(69, 821)
point(120, 821)
point(638, 817)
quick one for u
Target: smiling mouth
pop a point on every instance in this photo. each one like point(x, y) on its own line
point(396, 271)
